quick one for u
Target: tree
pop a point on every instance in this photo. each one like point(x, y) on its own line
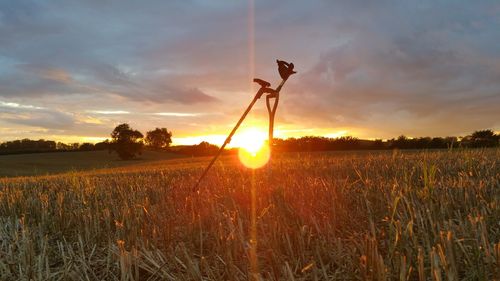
point(202, 149)
point(484, 138)
point(159, 138)
point(86, 146)
point(401, 142)
point(205, 148)
point(103, 145)
point(126, 142)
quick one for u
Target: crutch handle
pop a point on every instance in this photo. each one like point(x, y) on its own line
point(262, 83)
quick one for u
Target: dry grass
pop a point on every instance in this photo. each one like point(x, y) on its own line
point(384, 216)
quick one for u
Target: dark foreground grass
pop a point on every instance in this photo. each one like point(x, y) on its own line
point(384, 216)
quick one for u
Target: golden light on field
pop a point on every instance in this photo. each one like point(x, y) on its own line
point(253, 149)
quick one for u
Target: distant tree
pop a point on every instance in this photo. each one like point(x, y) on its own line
point(103, 145)
point(484, 138)
point(483, 134)
point(347, 142)
point(159, 138)
point(202, 149)
point(126, 142)
point(378, 144)
point(450, 142)
point(205, 148)
point(437, 142)
point(27, 145)
point(401, 142)
point(62, 146)
point(86, 146)
point(422, 142)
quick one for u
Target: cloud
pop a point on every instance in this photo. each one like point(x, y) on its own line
point(411, 78)
point(108, 112)
point(186, 95)
point(50, 120)
point(25, 80)
point(37, 117)
point(41, 119)
point(153, 88)
point(85, 48)
point(391, 68)
point(176, 114)
point(17, 105)
point(41, 80)
point(122, 112)
point(47, 72)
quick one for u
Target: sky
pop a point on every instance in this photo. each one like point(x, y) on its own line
point(73, 70)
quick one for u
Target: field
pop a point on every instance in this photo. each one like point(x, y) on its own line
point(431, 215)
point(58, 162)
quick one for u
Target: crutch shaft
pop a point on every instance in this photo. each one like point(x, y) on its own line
point(228, 139)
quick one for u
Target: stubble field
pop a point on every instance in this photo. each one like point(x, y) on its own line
point(431, 215)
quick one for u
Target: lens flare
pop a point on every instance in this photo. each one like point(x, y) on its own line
point(253, 149)
point(255, 156)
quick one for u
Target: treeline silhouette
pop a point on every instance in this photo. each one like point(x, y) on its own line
point(481, 138)
point(202, 149)
point(37, 146)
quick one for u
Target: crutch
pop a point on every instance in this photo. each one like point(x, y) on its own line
point(285, 70)
point(264, 88)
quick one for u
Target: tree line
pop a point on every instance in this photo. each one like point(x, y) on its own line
point(41, 145)
point(481, 138)
point(128, 143)
point(122, 139)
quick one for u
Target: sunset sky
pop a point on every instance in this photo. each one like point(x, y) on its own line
point(73, 70)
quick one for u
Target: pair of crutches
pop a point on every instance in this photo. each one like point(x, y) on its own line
point(285, 70)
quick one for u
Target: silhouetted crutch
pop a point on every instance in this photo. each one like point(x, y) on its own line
point(285, 69)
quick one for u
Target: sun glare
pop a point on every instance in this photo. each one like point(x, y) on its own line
point(253, 149)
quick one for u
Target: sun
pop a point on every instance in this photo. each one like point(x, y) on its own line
point(253, 149)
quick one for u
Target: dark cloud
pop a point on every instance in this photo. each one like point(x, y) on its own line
point(30, 80)
point(99, 45)
point(25, 80)
point(155, 88)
